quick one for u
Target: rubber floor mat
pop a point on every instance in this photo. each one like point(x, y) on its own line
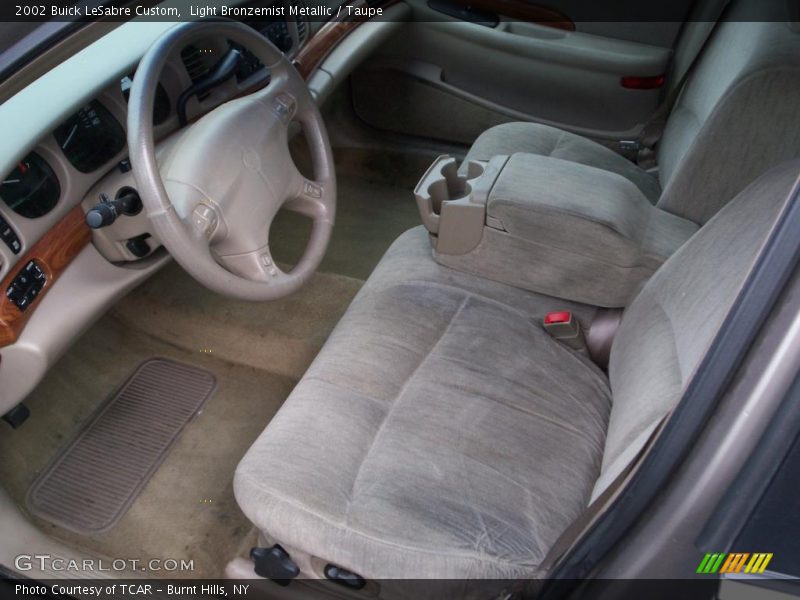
point(94, 479)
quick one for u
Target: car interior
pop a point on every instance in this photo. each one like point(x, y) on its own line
point(371, 300)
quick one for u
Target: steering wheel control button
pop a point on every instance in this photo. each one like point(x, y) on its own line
point(205, 219)
point(269, 266)
point(284, 106)
point(312, 190)
point(26, 286)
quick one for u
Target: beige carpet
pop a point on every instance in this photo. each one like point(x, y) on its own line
point(187, 510)
point(282, 337)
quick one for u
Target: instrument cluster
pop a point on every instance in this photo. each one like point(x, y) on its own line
point(92, 136)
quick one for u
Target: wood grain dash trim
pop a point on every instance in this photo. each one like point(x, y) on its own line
point(328, 37)
point(53, 253)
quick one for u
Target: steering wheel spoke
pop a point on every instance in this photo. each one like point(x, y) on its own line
point(257, 265)
point(308, 199)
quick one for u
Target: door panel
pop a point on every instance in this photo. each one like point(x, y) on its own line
point(484, 68)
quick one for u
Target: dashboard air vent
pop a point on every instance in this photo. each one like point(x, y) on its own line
point(196, 61)
point(302, 30)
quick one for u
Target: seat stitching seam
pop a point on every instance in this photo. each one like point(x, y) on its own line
point(528, 318)
point(486, 299)
point(557, 142)
point(424, 282)
point(322, 380)
point(532, 413)
point(563, 426)
point(397, 397)
point(537, 497)
point(672, 336)
point(484, 533)
point(656, 302)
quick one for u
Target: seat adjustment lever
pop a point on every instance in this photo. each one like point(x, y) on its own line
point(344, 577)
point(274, 563)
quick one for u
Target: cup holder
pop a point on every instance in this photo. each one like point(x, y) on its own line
point(443, 183)
point(451, 185)
point(452, 202)
point(445, 190)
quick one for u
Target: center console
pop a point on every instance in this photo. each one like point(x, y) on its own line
point(548, 225)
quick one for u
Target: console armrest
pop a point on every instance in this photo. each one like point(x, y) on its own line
point(567, 230)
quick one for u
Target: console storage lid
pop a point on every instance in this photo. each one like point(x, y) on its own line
point(584, 210)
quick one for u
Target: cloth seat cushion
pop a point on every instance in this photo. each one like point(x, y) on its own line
point(439, 433)
point(534, 138)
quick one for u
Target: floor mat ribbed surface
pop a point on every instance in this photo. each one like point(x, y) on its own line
point(94, 479)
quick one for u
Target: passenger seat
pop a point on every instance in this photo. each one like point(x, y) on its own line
point(737, 116)
point(442, 434)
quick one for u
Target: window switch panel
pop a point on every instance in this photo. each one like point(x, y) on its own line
point(27, 285)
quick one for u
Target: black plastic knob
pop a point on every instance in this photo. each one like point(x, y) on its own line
point(105, 212)
point(274, 563)
point(101, 215)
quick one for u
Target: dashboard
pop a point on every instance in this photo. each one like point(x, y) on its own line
point(91, 142)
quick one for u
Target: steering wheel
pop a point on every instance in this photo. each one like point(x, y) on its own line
point(213, 197)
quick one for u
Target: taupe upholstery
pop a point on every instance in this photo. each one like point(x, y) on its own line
point(440, 433)
point(738, 115)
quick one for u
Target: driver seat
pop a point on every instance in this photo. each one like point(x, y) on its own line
point(441, 433)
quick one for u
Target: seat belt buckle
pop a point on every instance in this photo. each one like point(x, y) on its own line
point(629, 148)
point(564, 327)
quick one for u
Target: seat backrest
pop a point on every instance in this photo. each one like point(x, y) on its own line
point(671, 323)
point(738, 114)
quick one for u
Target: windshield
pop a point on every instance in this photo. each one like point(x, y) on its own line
point(21, 41)
point(25, 32)
point(11, 33)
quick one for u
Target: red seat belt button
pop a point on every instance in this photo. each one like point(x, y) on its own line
point(564, 327)
point(563, 316)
